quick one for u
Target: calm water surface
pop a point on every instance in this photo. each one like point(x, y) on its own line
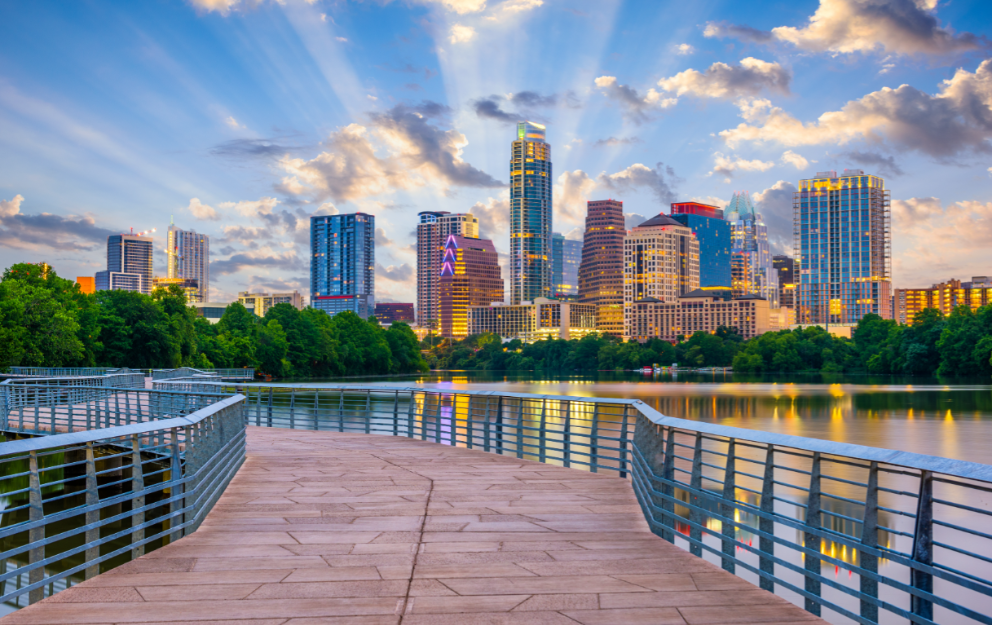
point(927, 416)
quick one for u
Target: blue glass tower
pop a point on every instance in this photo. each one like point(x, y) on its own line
point(713, 235)
point(342, 263)
point(530, 215)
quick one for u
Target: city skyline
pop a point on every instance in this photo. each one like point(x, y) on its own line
point(396, 108)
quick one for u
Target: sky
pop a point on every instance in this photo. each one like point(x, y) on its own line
point(242, 118)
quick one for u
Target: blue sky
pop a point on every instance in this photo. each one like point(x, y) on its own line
point(242, 118)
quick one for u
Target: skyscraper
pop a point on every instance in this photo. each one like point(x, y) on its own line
point(786, 268)
point(342, 263)
point(530, 214)
point(129, 264)
point(601, 269)
point(843, 244)
point(565, 258)
point(470, 276)
point(752, 272)
point(713, 234)
point(432, 233)
point(189, 259)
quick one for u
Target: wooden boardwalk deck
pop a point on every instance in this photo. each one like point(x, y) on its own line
point(325, 528)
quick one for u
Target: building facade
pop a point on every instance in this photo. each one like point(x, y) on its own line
point(703, 310)
point(342, 263)
point(129, 264)
point(260, 303)
point(944, 297)
point(87, 284)
point(189, 259)
point(190, 287)
point(433, 231)
point(660, 263)
point(543, 319)
point(530, 214)
point(566, 255)
point(843, 246)
point(751, 269)
point(601, 268)
point(785, 267)
point(713, 234)
point(211, 311)
point(392, 312)
point(470, 276)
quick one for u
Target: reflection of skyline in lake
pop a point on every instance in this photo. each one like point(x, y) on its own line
point(915, 415)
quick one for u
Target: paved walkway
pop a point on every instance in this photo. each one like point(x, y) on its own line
point(326, 528)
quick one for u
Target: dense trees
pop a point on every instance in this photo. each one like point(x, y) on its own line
point(46, 321)
point(958, 345)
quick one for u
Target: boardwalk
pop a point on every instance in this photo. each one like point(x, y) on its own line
point(326, 528)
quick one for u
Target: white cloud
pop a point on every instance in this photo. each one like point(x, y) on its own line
point(775, 206)
point(863, 26)
point(956, 120)
point(719, 202)
point(381, 239)
point(990, 171)
point(341, 39)
point(252, 208)
point(519, 6)
point(220, 6)
point(574, 188)
point(938, 241)
point(571, 192)
point(796, 160)
point(684, 49)
point(636, 107)
point(494, 217)
point(720, 80)
point(727, 166)
point(461, 34)
point(11, 207)
point(326, 208)
point(233, 123)
point(461, 7)
point(202, 211)
point(371, 97)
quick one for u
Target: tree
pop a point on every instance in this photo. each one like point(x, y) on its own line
point(405, 349)
point(135, 332)
point(272, 349)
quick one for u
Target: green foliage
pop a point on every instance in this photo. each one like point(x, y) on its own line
point(46, 321)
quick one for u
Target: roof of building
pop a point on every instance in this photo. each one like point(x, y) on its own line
point(724, 294)
point(658, 220)
point(648, 300)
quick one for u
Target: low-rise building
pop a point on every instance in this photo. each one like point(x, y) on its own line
point(87, 284)
point(211, 311)
point(945, 297)
point(534, 321)
point(391, 312)
point(190, 287)
point(260, 303)
point(702, 310)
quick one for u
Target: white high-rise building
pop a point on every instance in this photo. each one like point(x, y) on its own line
point(189, 259)
point(432, 233)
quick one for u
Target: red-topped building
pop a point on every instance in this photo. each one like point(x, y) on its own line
point(470, 276)
point(697, 208)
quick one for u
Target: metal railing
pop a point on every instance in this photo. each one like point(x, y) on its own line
point(58, 372)
point(247, 373)
point(865, 533)
point(80, 503)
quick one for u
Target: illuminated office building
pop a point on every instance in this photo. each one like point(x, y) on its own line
point(713, 234)
point(530, 214)
point(129, 264)
point(190, 287)
point(393, 312)
point(470, 276)
point(702, 310)
point(566, 255)
point(751, 268)
point(843, 246)
point(542, 320)
point(433, 231)
point(944, 297)
point(785, 267)
point(601, 269)
point(660, 263)
point(188, 259)
point(342, 263)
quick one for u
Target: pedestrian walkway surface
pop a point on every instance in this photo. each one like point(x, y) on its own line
point(328, 528)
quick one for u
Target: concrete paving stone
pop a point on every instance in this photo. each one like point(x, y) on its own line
point(330, 528)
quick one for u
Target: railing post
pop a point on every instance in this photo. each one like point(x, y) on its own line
point(729, 508)
point(269, 415)
point(177, 489)
point(258, 406)
point(812, 540)
point(766, 524)
point(437, 420)
point(92, 513)
point(542, 449)
point(137, 502)
point(35, 534)
point(668, 486)
point(470, 433)
point(593, 439)
point(368, 411)
point(923, 546)
point(409, 414)
point(316, 408)
point(396, 413)
point(341, 411)
point(869, 539)
point(485, 432)
point(520, 427)
point(292, 409)
point(696, 483)
point(567, 436)
point(499, 425)
point(623, 442)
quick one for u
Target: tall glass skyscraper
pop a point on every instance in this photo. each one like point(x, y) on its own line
point(713, 234)
point(189, 259)
point(342, 263)
point(530, 215)
point(752, 272)
point(566, 255)
point(843, 245)
point(129, 264)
